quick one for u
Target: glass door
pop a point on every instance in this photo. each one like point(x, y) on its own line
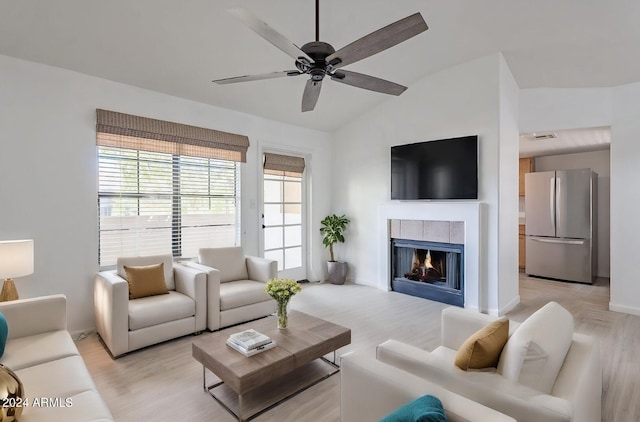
point(283, 222)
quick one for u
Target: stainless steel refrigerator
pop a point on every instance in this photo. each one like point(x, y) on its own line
point(560, 224)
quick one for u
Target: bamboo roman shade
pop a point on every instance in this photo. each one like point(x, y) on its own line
point(144, 134)
point(283, 165)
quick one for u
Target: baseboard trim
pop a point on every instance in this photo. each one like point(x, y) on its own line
point(624, 309)
point(364, 283)
point(509, 306)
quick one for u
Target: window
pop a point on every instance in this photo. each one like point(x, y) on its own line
point(163, 196)
point(283, 213)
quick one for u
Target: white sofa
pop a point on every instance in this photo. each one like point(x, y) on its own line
point(575, 393)
point(370, 389)
point(126, 325)
point(42, 354)
point(235, 285)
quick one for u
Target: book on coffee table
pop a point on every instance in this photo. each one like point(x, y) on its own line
point(250, 352)
point(249, 339)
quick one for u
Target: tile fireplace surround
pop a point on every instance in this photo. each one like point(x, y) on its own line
point(437, 222)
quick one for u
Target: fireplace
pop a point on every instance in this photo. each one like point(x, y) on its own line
point(431, 270)
point(443, 222)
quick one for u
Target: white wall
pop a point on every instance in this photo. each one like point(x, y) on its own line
point(556, 109)
point(598, 161)
point(463, 100)
point(625, 200)
point(508, 212)
point(48, 179)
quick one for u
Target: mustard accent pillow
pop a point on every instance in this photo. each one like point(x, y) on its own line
point(146, 281)
point(483, 348)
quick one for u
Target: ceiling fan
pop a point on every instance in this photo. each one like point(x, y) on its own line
point(319, 59)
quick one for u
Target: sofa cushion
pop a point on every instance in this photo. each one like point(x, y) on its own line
point(85, 406)
point(423, 409)
point(241, 293)
point(534, 353)
point(137, 261)
point(482, 349)
point(154, 310)
point(147, 280)
point(57, 378)
point(23, 352)
point(231, 262)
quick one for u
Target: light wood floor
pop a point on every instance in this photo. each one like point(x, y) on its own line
point(164, 383)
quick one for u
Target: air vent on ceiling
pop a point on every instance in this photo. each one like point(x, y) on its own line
point(541, 136)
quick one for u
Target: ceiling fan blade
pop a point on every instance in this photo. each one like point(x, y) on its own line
point(368, 82)
point(379, 40)
point(248, 78)
point(268, 33)
point(311, 94)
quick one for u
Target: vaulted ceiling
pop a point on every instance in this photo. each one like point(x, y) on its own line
point(178, 46)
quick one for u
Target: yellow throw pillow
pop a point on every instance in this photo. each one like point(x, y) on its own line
point(146, 281)
point(483, 348)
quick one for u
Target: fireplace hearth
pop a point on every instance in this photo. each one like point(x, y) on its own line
point(431, 270)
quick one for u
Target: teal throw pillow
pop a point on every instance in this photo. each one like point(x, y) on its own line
point(4, 332)
point(423, 409)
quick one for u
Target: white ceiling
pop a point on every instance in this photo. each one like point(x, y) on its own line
point(179, 46)
point(564, 141)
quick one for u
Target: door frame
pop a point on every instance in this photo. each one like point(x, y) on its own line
point(302, 273)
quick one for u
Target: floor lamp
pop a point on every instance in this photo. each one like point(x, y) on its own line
point(16, 260)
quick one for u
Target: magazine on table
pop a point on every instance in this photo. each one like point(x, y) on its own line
point(249, 339)
point(250, 352)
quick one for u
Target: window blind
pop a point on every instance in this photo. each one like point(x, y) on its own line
point(157, 197)
point(283, 165)
point(134, 132)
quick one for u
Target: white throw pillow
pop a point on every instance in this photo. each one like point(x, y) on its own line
point(535, 352)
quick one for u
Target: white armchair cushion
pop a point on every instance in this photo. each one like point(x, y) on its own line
point(535, 352)
point(139, 261)
point(154, 310)
point(242, 293)
point(231, 262)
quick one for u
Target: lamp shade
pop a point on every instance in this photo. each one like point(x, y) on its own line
point(16, 258)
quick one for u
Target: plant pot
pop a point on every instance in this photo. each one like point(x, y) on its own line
point(337, 272)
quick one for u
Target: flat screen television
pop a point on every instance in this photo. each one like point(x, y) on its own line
point(442, 169)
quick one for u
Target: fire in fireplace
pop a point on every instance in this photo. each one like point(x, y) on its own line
point(430, 270)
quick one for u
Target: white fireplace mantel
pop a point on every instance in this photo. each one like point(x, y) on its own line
point(468, 212)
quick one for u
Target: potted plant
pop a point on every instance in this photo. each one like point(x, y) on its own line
point(332, 229)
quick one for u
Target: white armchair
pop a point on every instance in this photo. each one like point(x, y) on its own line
point(126, 325)
point(235, 286)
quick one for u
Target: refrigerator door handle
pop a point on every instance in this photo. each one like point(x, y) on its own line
point(559, 208)
point(562, 241)
point(552, 203)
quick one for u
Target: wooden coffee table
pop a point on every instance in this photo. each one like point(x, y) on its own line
point(260, 382)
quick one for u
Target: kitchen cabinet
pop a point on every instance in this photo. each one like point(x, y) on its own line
point(526, 166)
point(522, 253)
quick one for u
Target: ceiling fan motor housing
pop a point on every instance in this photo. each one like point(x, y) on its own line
point(318, 51)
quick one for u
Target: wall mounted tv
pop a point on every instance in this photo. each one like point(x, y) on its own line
point(442, 169)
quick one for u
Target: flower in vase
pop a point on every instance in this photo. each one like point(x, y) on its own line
point(281, 289)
